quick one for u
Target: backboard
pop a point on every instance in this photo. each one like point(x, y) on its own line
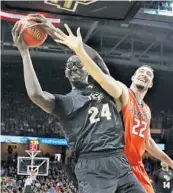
point(39, 164)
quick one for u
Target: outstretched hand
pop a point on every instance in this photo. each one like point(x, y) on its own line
point(73, 42)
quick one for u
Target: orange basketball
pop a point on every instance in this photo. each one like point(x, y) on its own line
point(33, 36)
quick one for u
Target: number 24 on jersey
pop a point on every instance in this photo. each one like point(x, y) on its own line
point(95, 114)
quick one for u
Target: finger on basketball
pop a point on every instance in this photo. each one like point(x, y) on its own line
point(14, 28)
point(36, 19)
point(36, 15)
point(17, 31)
point(19, 39)
point(35, 24)
point(68, 29)
point(20, 35)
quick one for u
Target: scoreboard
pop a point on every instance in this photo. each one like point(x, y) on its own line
point(33, 145)
point(68, 5)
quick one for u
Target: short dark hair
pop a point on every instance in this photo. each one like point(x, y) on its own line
point(145, 65)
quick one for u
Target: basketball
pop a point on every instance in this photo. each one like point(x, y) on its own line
point(34, 36)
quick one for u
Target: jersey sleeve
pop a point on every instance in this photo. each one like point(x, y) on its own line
point(63, 106)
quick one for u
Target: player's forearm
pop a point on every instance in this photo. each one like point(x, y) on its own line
point(31, 81)
point(154, 150)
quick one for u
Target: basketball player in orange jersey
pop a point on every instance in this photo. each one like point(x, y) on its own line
point(136, 113)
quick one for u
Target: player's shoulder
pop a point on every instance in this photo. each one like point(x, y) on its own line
point(146, 105)
point(131, 95)
point(148, 110)
point(157, 171)
point(170, 173)
point(73, 92)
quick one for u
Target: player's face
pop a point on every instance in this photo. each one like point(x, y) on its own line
point(143, 78)
point(75, 71)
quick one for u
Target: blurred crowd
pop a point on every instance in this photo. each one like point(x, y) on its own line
point(58, 180)
point(162, 119)
point(163, 5)
point(20, 117)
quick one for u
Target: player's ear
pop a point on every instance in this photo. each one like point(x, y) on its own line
point(66, 73)
point(151, 85)
point(132, 78)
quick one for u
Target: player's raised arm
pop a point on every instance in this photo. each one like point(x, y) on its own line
point(89, 57)
point(113, 87)
point(41, 98)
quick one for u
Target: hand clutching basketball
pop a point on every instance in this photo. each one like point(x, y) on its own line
point(29, 33)
point(32, 32)
point(17, 37)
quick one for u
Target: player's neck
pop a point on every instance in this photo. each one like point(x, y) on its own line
point(78, 85)
point(138, 94)
point(165, 169)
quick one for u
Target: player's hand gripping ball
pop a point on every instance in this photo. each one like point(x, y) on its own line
point(33, 35)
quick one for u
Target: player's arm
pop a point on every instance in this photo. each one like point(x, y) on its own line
point(114, 88)
point(156, 152)
point(41, 98)
point(109, 84)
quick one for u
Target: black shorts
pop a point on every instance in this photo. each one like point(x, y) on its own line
point(106, 172)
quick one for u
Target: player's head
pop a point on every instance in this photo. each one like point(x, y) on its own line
point(143, 78)
point(76, 72)
point(164, 165)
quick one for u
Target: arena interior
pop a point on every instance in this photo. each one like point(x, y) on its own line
point(126, 34)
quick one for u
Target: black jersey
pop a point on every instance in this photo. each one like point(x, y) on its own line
point(163, 181)
point(90, 120)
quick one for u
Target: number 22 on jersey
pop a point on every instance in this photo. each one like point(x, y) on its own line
point(139, 127)
point(95, 114)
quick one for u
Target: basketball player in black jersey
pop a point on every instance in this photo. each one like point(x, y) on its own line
point(91, 123)
point(163, 179)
